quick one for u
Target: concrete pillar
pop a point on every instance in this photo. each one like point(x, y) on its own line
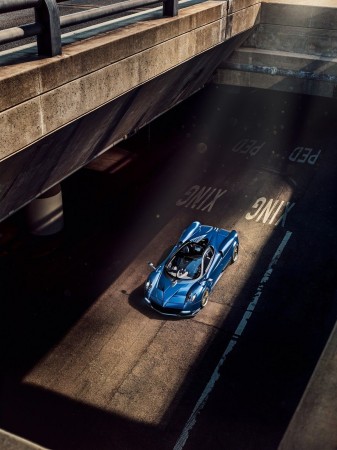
point(45, 213)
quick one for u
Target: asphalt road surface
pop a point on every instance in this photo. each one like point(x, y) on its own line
point(87, 365)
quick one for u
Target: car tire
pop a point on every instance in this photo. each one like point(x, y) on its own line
point(235, 254)
point(204, 298)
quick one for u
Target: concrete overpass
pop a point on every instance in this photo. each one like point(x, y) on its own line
point(57, 114)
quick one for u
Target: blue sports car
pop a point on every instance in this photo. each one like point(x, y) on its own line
point(181, 284)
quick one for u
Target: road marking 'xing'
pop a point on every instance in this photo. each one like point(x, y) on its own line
point(238, 332)
point(196, 197)
point(268, 211)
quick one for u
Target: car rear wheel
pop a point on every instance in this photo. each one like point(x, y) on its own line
point(235, 254)
point(204, 298)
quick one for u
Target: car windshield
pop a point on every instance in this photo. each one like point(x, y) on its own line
point(186, 264)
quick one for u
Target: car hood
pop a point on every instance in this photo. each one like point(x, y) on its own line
point(170, 291)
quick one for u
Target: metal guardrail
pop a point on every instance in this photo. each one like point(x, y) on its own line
point(49, 23)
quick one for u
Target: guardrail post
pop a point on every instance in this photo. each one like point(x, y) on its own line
point(49, 41)
point(170, 8)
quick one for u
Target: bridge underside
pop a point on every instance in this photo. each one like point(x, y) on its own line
point(46, 162)
point(59, 113)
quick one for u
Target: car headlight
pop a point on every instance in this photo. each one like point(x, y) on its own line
point(148, 285)
point(191, 297)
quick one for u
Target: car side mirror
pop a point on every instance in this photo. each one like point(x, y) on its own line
point(152, 265)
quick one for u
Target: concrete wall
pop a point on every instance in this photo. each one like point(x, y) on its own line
point(314, 424)
point(292, 49)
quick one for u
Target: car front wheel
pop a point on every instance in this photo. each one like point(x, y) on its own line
point(204, 298)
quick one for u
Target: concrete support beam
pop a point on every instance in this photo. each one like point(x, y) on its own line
point(45, 213)
point(42, 96)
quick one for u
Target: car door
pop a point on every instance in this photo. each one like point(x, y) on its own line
point(211, 266)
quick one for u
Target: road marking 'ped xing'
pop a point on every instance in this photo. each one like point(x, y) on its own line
point(239, 330)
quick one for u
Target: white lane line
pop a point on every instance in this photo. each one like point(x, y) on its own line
point(238, 332)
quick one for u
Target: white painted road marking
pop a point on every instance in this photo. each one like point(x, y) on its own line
point(304, 155)
point(248, 146)
point(238, 332)
point(196, 197)
point(265, 210)
point(288, 207)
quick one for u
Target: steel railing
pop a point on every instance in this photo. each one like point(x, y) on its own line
point(48, 22)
